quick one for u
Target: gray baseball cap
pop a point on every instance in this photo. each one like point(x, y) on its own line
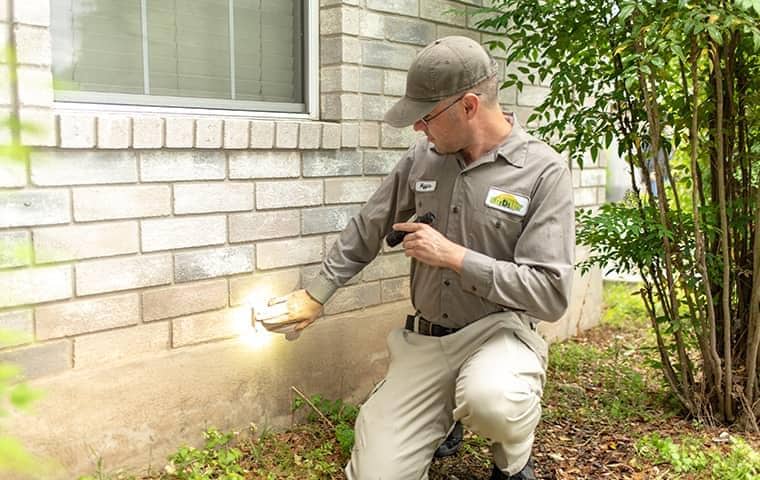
point(448, 66)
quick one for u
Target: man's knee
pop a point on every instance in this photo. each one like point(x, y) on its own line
point(505, 413)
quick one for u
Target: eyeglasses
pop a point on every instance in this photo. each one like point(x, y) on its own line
point(427, 118)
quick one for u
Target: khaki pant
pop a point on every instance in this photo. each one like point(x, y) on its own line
point(489, 375)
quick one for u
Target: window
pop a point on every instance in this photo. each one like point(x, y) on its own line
point(212, 54)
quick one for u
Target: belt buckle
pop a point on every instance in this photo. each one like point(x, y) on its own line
point(424, 327)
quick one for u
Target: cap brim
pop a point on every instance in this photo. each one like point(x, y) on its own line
point(407, 111)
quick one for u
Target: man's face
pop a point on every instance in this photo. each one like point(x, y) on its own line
point(440, 126)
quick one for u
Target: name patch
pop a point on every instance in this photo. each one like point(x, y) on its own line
point(425, 186)
point(507, 202)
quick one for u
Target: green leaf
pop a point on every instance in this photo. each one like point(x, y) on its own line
point(626, 11)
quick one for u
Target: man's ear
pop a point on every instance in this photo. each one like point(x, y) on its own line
point(471, 104)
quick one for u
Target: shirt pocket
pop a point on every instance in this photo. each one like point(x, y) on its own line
point(425, 202)
point(494, 233)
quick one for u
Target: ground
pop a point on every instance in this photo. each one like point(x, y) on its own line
point(606, 415)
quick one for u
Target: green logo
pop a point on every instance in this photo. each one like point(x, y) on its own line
point(506, 200)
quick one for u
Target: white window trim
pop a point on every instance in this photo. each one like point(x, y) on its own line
point(311, 89)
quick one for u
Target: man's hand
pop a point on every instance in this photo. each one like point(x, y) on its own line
point(302, 310)
point(429, 246)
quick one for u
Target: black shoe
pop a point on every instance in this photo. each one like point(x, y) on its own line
point(526, 473)
point(452, 442)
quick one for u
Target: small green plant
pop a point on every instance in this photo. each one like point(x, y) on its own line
point(342, 416)
point(691, 456)
point(218, 459)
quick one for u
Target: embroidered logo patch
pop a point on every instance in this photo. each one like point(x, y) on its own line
point(507, 202)
point(425, 186)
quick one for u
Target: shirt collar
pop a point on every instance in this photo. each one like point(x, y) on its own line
point(515, 147)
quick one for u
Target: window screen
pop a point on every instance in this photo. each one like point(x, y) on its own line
point(205, 53)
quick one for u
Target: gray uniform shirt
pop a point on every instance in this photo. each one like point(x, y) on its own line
point(513, 211)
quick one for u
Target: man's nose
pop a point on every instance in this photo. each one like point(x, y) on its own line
point(419, 126)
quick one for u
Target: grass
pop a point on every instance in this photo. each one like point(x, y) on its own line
point(606, 414)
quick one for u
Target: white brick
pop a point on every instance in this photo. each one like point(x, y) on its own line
point(114, 132)
point(408, 30)
point(107, 203)
point(85, 316)
point(248, 227)
point(210, 263)
point(403, 7)
point(18, 323)
point(372, 25)
point(309, 135)
point(185, 299)
point(344, 106)
point(165, 166)
point(35, 86)
point(330, 21)
point(350, 135)
point(262, 134)
point(286, 253)
point(532, 96)
point(57, 244)
point(33, 45)
point(296, 193)
point(32, 12)
point(350, 190)
point(264, 164)
point(342, 49)
point(375, 106)
point(385, 55)
point(180, 132)
point(34, 285)
point(369, 134)
point(327, 219)
point(15, 249)
point(41, 359)
point(19, 208)
point(148, 132)
point(387, 266)
point(340, 78)
point(286, 135)
point(443, 11)
point(116, 274)
point(394, 289)
point(353, 298)
point(330, 135)
point(213, 197)
point(209, 326)
point(371, 80)
point(236, 133)
point(102, 348)
point(62, 167)
point(77, 130)
point(381, 162)
point(12, 172)
point(584, 197)
point(256, 289)
point(171, 233)
point(45, 133)
point(593, 178)
point(334, 163)
point(394, 83)
point(208, 133)
point(391, 137)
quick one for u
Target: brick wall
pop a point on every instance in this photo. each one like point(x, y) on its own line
point(133, 235)
point(119, 216)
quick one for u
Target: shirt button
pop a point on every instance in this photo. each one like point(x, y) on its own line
point(455, 209)
point(446, 282)
point(474, 288)
point(497, 224)
point(445, 315)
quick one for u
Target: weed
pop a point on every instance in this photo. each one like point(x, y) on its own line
point(691, 456)
point(217, 459)
point(341, 414)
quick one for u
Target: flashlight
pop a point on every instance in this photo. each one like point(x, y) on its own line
point(274, 309)
point(397, 236)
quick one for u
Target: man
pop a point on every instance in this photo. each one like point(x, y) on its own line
point(496, 260)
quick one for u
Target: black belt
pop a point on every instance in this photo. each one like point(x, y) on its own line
point(427, 328)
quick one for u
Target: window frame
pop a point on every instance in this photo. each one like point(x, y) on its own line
point(83, 101)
